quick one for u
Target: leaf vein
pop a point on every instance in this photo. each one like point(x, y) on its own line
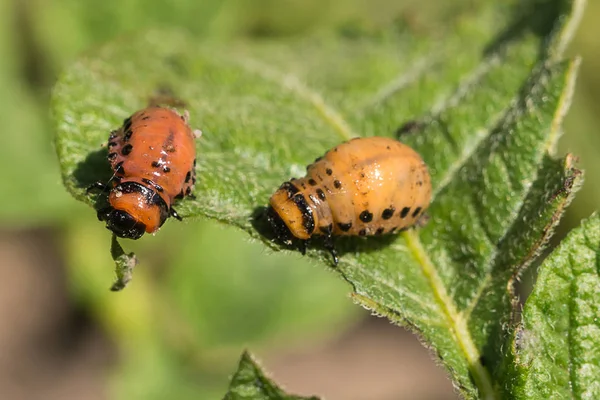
point(292, 83)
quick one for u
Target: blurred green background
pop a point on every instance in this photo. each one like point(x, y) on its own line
point(202, 292)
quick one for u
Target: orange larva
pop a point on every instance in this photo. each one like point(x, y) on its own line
point(153, 155)
point(366, 186)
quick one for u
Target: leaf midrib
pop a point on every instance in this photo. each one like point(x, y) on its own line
point(455, 322)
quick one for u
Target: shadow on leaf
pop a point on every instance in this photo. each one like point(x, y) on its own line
point(343, 244)
point(533, 16)
point(94, 168)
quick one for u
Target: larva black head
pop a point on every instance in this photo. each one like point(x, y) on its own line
point(134, 209)
point(289, 208)
point(280, 229)
point(122, 223)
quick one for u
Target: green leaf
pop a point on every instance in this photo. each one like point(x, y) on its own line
point(250, 383)
point(557, 347)
point(489, 91)
point(125, 264)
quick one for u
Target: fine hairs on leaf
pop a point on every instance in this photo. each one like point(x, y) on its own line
point(482, 100)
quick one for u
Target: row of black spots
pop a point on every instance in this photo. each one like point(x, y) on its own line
point(188, 176)
point(380, 231)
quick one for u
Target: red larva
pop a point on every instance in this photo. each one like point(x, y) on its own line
point(153, 155)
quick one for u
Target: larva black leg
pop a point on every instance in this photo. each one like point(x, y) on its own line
point(96, 186)
point(330, 245)
point(174, 214)
point(303, 246)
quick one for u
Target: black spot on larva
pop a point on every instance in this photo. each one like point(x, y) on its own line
point(335, 149)
point(111, 144)
point(146, 117)
point(153, 184)
point(321, 194)
point(119, 168)
point(127, 136)
point(379, 231)
point(112, 156)
point(126, 149)
point(193, 180)
point(126, 123)
point(404, 212)
point(337, 184)
point(194, 163)
point(417, 211)
point(188, 191)
point(113, 135)
point(393, 229)
point(327, 189)
point(326, 229)
point(366, 216)
point(362, 232)
point(312, 182)
point(180, 195)
point(387, 213)
point(188, 176)
point(318, 159)
point(388, 147)
point(166, 170)
point(155, 164)
point(345, 227)
point(328, 171)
